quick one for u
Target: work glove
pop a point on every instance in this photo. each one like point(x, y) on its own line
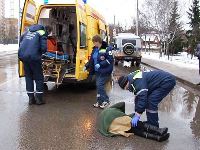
point(97, 66)
point(135, 120)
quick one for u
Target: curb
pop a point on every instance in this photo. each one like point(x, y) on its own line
point(190, 84)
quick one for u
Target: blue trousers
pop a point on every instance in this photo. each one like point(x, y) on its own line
point(155, 98)
point(101, 80)
point(33, 72)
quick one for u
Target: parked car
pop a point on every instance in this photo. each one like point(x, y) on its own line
point(127, 47)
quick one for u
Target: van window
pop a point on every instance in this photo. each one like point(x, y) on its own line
point(82, 35)
point(124, 41)
point(103, 34)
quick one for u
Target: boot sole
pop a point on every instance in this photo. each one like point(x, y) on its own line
point(102, 107)
point(40, 103)
point(153, 131)
point(165, 132)
point(164, 137)
point(32, 103)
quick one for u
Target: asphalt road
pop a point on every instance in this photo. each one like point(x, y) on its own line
point(68, 120)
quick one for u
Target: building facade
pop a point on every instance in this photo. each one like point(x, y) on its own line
point(2, 20)
point(2, 8)
point(151, 41)
point(11, 31)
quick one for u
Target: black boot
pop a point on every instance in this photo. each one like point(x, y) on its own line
point(39, 100)
point(153, 136)
point(157, 137)
point(31, 100)
point(155, 130)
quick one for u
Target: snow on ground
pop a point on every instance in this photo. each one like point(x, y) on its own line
point(182, 60)
point(8, 49)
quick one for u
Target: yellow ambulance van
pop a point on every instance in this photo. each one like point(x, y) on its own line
point(73, 24)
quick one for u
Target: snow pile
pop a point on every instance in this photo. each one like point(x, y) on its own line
point(8, 49)
point(181, 60)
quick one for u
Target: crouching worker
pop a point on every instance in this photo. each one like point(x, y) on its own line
point(150, 88)
point(113, 121)
point(33, 44)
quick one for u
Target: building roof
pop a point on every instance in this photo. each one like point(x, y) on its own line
point(150, 37)
point(127, 35)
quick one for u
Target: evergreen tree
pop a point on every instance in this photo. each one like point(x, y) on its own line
point(194, 17)
point(175, 30)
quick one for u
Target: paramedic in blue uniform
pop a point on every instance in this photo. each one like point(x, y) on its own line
point(101, 65)
point(150, 88)
point(33, 43)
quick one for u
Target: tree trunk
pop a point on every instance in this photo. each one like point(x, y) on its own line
point(160, 51)
point(168, 51)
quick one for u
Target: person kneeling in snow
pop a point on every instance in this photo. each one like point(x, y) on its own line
point(113, 121)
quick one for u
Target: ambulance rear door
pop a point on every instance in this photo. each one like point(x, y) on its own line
point(82, 49)
point(28, 18)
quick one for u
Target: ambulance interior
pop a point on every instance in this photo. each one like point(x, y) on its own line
point(62, 41)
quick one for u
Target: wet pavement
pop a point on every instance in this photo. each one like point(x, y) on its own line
point(68, 120)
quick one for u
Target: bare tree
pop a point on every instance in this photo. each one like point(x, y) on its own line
point(157, 13)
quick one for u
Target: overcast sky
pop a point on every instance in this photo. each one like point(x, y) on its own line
point(124, 10)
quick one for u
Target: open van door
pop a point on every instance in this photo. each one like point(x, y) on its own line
point(82, 44)
point(28, 19)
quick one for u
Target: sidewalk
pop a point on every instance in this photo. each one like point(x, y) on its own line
point(8, 49)
point(183, 74)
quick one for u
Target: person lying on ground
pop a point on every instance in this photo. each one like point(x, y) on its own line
point(113, 121)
